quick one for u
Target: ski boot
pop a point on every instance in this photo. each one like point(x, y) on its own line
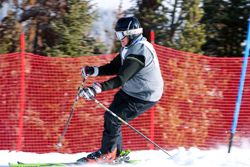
point(123, 157)
point(98, 157)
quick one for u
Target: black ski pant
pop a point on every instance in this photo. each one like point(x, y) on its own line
point(127, 108)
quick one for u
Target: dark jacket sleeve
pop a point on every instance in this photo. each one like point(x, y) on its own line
point(111, 68)
point(131, 65)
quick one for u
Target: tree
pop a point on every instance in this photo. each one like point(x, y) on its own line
point(71, 31)
point(152, 16)
point(226, 26)
point(34, 16)
point(192, 35)
point(50, 24)
point(173, 22)
point(9, 28)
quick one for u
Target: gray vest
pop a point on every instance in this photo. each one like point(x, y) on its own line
point(147, 84)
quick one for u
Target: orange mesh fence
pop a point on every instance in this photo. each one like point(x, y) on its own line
point(196, 109)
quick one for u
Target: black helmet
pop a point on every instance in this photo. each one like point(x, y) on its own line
point(128, 26)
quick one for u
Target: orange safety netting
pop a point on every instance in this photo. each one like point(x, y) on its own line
point(196, 109)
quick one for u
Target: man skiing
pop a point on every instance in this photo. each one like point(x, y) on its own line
point(137, 72)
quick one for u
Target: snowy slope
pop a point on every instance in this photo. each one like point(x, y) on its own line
point(193, 157)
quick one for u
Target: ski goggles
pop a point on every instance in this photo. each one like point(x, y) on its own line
point(122, 34)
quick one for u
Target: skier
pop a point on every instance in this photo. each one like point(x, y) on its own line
point(137, 72)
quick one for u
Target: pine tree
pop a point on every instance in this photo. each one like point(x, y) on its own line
point(167, 20)
point(50, 24)
point(192, 35)
point(175, 21)
point(36, 16)
point(153, 17)
point(226, 26)
point(72, 39)
point(9, 31)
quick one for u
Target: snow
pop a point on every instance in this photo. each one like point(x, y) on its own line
point(181, 157)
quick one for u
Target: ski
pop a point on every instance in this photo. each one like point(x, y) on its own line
point(20, 164)
point(123, 158)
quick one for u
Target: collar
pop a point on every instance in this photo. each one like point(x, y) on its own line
point(136, 40)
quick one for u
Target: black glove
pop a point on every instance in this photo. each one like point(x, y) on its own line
point(87, 71)
point(90, 92)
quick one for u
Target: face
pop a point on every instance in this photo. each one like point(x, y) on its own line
point(124, 41)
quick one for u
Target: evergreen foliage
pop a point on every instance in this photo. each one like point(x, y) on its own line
point(226, 26)
point(175, 22)
point(9, 30)
point(61, 27)
point(52, 28)
point(212, 27)
point(153, 17)
point(192, 35)
point(70, 30)
point(176, 25)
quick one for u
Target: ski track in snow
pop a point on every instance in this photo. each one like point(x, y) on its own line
point(181, 157)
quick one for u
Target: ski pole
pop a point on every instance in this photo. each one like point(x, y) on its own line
point(59, 143)
point(130, 126)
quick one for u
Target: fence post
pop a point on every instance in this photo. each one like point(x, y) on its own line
point(22, 94)
point(152, 36)
point(152, 111)
point(152, 127)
